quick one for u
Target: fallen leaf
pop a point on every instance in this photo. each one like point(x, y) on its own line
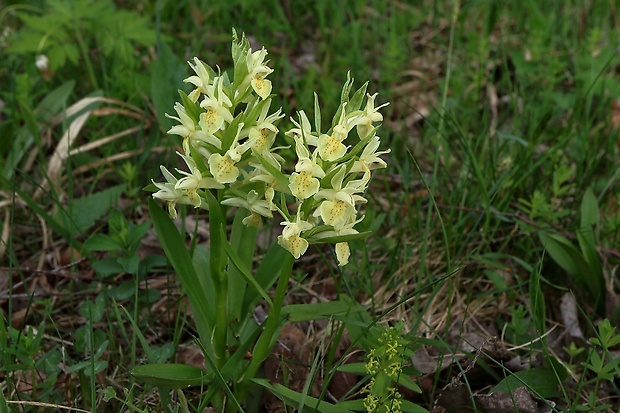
point(568, 309)
point(520, 400)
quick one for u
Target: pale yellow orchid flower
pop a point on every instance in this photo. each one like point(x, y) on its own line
point(370, 157)
point(303, 130)
point(369, 115)
point(291, 238)
point(201, 80)
point(223, 167)
point(187, 130)
point(331, 147)
point(217, 106)
point(304, 182)
point(258, 71)
point(195, 180)
point(169, 193)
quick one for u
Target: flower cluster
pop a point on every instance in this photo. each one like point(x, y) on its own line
point(229, 132)
point(384, 366)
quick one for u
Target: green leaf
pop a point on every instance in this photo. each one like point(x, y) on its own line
point(55, 101)
point(542, 381)
point(149, 296)
point(554, 364)
point(82, 213)
point(408, 382)
point(85, 339)
point(235, 366)
point(356, 101)
point(356, 405)
point(88, 367)
point(344, 95)
point(107, 266)
point(170, 376)
point(181, 261)
point(217, 237)
point(102, 347)
point(72, 52)
point(150, 355)
point(200, 261)
point(588, 248)
point(101, 242)
point(93, 310)
point(294, 399)
point(317, 114)
point(266, 275)
point(355, 368)
point(239, 51)
point(336, 309)
point(167, 71)
point(243, 271)
point(410, 407)
point(3, 335)
point(129, 26)
point(230, 133)
point(136, 233)
point(596, 279)
point(338, 238)
point(590, 217)
point(381, 384)
point(242, 244)
point(273, 171)
point(572, 261)
point(118, 226)
point(130, 264)
point(124, 291)
point(537, 302)
point(24, 137)
point(108, 393)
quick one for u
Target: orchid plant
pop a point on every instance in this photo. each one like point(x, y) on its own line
point(229, 132)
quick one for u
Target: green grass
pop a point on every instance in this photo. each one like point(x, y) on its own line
point(500, 120)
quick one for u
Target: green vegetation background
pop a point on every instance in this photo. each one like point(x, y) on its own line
point(503, 125)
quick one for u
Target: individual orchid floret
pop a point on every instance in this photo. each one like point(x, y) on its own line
point(271, 183)
point(338, 209)
point(222, 167)
point(336, 213)
point(342, 248)
point(253, 203)
point(201, 80)
point(369, 115)
point(347, 229)
point(331, 147)
point(303, 130)
point(370, 158)
point(187, 130)
point(347, 193)
point(291, 238)
point(343, 252)
point(217, 106)
point(303, 183)
point(264, 132)
point(258, 71)
point(195, 180)
point(169, 193)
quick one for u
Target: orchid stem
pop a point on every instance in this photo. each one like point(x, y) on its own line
point(266, 341)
